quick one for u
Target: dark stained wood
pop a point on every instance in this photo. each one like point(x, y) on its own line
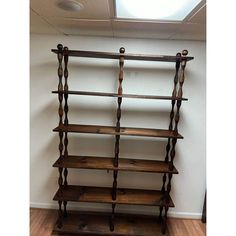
point(42, 222)
point(60, 113)
point(117, 138)
point(66, 109)
point(98, 129)
point(60, 84)
point(122, 95)
point(97, 224)
point(66, 87)
point(106, 163)
point(127, 56)
point(104, 224)
point(103, 195)
point(164, 220)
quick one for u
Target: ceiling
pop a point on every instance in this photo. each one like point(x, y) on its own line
point(97, 18)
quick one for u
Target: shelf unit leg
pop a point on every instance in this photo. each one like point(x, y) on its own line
point(164, 221)
point(117, 142)
point(160, 214)
point(112, 218)
point(65, 210)
point(164, 183)
point(59, 221)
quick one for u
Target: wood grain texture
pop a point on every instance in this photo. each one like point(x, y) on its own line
point(127, 56)
point(103, 195)
point(106, 163)
point(42, 222)
point(99, 129)
point(87, 93)
point(94, 224)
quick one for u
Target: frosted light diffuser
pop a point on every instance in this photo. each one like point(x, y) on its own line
point(173, 10)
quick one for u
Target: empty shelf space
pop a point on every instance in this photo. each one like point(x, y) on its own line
point(103, 195)
point(106, 163)
point(77, 223)
point(97, 129)
point(127, 56)
point(86, 93)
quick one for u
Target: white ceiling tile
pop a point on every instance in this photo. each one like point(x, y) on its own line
point(145, 26)
point(141, 34)
point(158, 30)
point(94, 20)
point(141, 29)
point(92, 9)
point(199, 16)
point(38, 25)
point(186, 36)
point(82, 27)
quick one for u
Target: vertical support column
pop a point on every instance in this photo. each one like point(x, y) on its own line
point(60, 113)
point(179, 102)
point(163, 226)
point(174, 93)
point(174, 140)
point(180, 91)
point(117, 142)
point(66, 109)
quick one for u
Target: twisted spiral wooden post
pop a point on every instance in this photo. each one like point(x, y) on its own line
point(66, 88)
point(174, 93)
point(180, 91)
point(172, 153)
point(60, 95)
point(164, 222)
point(117, 142)
point(60, 214)
point(168, 187)
point(60, 113)
point(59, 221)
point(179, 95)
point(66, 109)
point(60, 85)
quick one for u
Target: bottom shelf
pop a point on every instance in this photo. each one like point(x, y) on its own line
point(98, 224)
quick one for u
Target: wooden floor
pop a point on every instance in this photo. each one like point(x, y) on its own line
point(43, 220)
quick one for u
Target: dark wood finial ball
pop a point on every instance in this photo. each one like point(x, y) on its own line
point(178, 54)
point(185, 52)
point(66, 48)
point(59, 46)
point(122, 50)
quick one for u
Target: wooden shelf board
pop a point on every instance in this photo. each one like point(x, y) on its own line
point(106, 163)
point(103, 195)
point(77, 223)
point(97, 129)
point(127, 56)
point(86, 93)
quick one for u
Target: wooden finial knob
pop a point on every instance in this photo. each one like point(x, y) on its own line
point(122, 50)
point(60, 47)
point(185, 52)
point(65, 48)
point(178, 54)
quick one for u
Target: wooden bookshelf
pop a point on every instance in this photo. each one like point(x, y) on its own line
point(113, 223)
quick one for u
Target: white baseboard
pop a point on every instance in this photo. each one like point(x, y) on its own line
point(174, 214)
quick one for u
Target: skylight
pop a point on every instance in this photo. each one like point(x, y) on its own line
point(173, 10)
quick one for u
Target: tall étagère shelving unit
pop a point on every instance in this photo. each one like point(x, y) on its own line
point(112, 223)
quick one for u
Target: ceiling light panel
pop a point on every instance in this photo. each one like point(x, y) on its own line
point(170, 10)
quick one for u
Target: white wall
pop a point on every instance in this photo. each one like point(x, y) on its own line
point(188, 186)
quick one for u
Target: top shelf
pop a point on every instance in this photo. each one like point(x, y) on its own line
point(127, 56)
